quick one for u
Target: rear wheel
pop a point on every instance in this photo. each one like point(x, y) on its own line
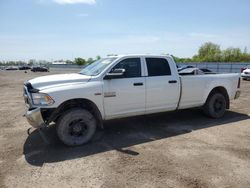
point(76, 127)
point(215, 106)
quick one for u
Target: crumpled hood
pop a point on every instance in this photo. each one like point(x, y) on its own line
point(45, 82)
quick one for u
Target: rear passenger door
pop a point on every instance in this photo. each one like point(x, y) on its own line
point(162, 86)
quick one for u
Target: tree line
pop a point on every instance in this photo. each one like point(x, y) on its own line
point(211, 52)
point(81, 61)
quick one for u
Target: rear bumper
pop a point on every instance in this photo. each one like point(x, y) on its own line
point(34, 117)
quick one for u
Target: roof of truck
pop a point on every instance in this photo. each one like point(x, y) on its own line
point(141, 55)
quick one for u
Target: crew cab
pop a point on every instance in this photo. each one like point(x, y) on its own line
point(122, 86)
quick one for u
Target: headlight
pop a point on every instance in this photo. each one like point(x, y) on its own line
point(41, 99)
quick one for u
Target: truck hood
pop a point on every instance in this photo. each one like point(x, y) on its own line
point(45, 82)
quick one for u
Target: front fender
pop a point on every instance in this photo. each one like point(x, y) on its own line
point(92, 91)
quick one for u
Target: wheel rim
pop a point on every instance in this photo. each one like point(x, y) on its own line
point(78, 128)
point(218, 105)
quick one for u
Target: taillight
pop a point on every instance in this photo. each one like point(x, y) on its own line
point(238, 84)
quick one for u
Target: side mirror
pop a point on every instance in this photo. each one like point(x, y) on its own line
point(117, 73)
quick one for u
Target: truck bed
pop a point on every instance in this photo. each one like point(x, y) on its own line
point(202, 84)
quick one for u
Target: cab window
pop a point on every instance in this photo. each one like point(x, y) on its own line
point(158, 67)
point(132, 67)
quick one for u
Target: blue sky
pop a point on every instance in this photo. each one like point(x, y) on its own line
point(65, 29)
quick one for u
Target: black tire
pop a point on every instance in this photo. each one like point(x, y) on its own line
point(76, 127)
point(215, 106)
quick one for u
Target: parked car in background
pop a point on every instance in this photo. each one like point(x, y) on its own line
point(246, 73)
point(180, 68)
point(24, 67)
point(39, 69)
point(207, 71)
point(195, 71)
point(11, 68)
point(191, 71)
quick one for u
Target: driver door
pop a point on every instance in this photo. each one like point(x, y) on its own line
point(125, 96)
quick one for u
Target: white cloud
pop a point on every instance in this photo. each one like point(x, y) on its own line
point(83, 15)
point(202, 35)
point(90, 2)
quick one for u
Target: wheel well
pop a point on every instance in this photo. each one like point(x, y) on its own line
point(81, 103)
point(223, 91)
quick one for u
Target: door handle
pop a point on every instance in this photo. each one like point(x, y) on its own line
point(172, 81)
point(138, 84)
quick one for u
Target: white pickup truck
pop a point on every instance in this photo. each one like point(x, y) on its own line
point(122, 86)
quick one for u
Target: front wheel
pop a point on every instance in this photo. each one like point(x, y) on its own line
point(215, 106)
point(76, 127)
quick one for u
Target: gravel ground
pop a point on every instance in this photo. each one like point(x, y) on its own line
point(176, 149)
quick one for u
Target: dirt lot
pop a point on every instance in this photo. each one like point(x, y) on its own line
point(177, 149)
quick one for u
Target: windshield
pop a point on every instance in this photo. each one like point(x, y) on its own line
point(97, 67)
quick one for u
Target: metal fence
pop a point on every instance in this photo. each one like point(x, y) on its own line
point(66, 66)
point(234, 67)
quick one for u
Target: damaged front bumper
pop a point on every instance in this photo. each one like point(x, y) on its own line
point(34, 117)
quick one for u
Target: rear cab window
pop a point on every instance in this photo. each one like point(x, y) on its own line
point(158, 67)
